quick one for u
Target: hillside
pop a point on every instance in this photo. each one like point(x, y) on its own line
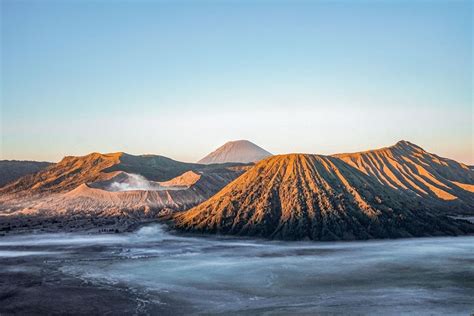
point(11, 170)
point(326, 198)
point(73, 171)
point(409, 168)
point(241, 151)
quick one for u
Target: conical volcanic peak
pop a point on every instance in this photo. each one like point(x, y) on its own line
point(242, 151)
point(313, 197)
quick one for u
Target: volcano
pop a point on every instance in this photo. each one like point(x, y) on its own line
point(73, 171)
point(242, 151)
point(102, 188)
point(399, 191)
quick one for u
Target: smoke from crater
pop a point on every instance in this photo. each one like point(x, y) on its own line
point(134, 182)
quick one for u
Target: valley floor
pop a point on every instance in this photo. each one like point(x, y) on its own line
point(153, 271)
point(13, 225)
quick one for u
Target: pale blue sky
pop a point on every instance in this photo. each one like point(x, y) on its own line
point(179, 78)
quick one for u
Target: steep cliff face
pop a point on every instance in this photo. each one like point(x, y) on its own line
point(315, 197)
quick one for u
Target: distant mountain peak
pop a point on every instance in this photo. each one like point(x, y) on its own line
point(406, 145)
point(236, 151)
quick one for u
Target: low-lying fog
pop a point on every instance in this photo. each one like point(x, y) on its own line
point(224, 275)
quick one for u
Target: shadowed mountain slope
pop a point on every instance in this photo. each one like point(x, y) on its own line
point(319, 198)
point(236, 151)
point(11, 170)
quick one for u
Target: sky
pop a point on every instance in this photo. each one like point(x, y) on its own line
point(180, 78)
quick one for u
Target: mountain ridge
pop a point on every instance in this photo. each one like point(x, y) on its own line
point(73, 171)
point(339, 197)
point(408, 167)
